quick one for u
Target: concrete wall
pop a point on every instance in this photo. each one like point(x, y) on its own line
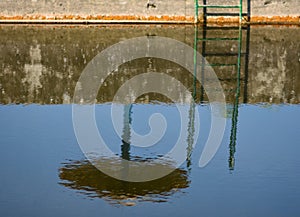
point(71, 8)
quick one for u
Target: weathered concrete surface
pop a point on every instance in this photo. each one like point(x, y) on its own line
point(137, 9)
point(93, 7)
point(43, 64)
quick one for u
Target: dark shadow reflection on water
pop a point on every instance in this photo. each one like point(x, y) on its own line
point(86, 179)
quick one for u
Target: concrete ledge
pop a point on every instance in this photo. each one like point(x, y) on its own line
point(294, 20)
point(136, 11)
point(98, 20)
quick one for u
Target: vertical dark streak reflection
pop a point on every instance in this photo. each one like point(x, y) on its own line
point(191, 132)
point(191, 124)
point(247, 64)
point(204, 34)
point(234, 122)
point(232, 144)
point(125, 147)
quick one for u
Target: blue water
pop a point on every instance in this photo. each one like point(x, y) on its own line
point(38, 141)
point(255, 172)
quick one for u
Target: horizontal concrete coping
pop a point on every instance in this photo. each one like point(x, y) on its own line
point(146, 11)
point(146, 20)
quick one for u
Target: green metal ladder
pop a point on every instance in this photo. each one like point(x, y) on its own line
point(205, 6)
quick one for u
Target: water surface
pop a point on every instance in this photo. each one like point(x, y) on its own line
point(44, 173)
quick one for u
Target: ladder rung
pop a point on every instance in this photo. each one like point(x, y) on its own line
point(225, 14)
point(218, 39)
point(220, 79)
point(218, 64)
point(223, 27)
point(230, 79)
point(219, 6)
point(221, 54)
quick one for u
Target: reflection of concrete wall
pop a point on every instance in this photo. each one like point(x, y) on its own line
point(275, 66)
point(43, 64)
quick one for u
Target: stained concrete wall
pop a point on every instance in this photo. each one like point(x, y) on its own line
point(43, 64)
point(50, 8)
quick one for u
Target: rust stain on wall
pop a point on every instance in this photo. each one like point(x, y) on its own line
point(255, 20)
point(100, 17)
point(163, 18)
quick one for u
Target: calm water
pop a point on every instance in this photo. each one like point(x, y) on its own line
point(255, 172)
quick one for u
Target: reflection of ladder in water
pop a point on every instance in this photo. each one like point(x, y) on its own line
point(234, 119)
point(206, 6)
point(219, 66)
point(210, 41)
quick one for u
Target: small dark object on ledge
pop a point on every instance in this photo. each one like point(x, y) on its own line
point(267, 2)
point(151, 4)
